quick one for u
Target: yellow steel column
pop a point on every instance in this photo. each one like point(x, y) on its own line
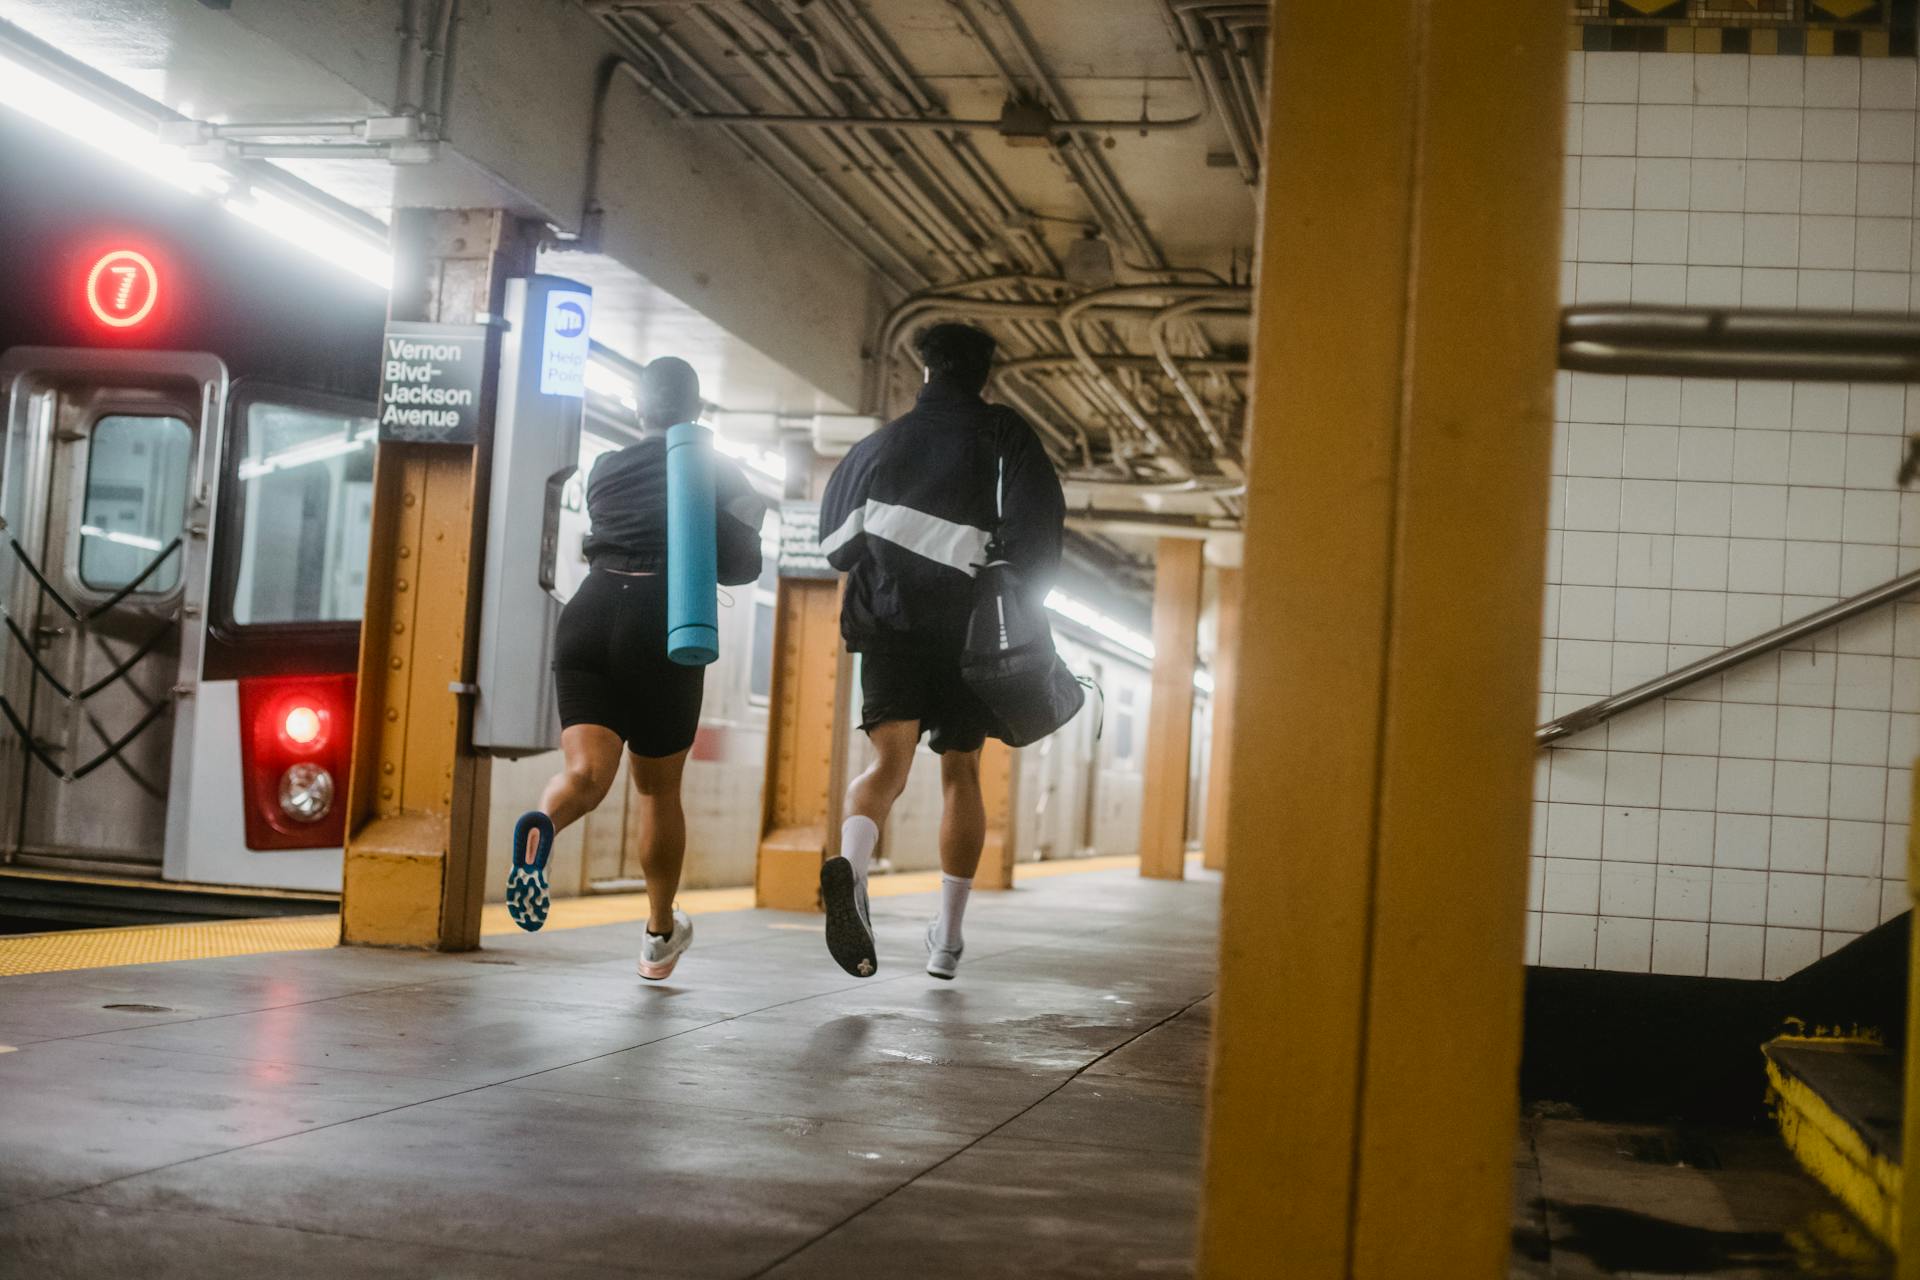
point(1226, 655)
point(1366, 1040)
point(799, 799)
point(1178, 567)
point(999, 785)
point(807, 726)
point(417, 802)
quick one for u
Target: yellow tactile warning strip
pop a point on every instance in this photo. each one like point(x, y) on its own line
point(154, 944)
point(151, 943)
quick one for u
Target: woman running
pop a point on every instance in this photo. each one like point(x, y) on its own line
point(615, 682)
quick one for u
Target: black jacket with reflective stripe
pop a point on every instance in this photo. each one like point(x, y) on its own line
point(908, 513)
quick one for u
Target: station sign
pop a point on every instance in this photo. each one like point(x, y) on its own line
point(800, 553)
point(430, 380)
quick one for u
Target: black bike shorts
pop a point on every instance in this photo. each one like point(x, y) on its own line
point(611, 668)
point(922, 682)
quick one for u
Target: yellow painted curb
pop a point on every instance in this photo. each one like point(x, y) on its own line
point(209, 940)
point(1829, 1148)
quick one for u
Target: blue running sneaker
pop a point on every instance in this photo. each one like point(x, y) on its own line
point(527, 898)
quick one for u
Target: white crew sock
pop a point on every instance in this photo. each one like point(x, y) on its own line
point(954, 891)
point(858, 836)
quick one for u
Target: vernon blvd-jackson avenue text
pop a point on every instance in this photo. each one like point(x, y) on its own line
point(412, 370)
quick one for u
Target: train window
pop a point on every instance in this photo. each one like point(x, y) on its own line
point(305, 507)
point(765, 596)
point(1123, 723)
point(136, 501)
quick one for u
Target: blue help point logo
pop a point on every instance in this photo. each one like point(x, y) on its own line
point(563, 352)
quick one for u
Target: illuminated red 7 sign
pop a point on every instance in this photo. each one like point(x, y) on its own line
point(122, 288)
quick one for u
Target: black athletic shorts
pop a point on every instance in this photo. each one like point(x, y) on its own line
point(611, 668)
point(907, 681)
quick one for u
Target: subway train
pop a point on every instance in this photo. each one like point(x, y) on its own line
point(186, 480)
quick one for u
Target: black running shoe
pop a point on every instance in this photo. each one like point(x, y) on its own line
point(849, 938)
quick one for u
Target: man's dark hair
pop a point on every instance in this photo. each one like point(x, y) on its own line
point(957, 355)
point(669, 393)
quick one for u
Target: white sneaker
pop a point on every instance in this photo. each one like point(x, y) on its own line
point(659, 955)
point(942, 962)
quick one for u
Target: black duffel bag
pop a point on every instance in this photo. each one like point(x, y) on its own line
point(1009, 660)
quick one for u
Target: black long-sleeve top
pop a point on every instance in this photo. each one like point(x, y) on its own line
point(627, 513)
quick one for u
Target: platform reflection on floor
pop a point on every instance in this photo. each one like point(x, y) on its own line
point(368, 1113)
point(535, 1109)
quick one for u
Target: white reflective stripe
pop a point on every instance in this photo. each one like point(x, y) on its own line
point(958, 546)
point(849, 530)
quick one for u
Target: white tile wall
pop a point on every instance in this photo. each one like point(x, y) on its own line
point(1758, 821)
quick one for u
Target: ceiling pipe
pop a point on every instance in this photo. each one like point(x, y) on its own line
point(1207, 76)
point(904, 274)
point(1070, 329)
point(1008, 125)
point(136, 108)
point(1157, 337)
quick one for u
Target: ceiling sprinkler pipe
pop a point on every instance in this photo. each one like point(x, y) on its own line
point(409, 93)
point(1207, 76)
point(1198, 486)
point(844, 216)
point(1070, 329)
point(1157, 336)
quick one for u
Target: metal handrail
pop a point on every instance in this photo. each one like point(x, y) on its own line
point(1598, 713)
point(1715, 342)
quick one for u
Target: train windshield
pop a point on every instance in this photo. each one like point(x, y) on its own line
point(305, 504)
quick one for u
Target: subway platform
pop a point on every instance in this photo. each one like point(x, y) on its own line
point(535, 1109)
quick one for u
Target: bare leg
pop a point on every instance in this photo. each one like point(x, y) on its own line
point(963, 816)
point(592, 755)
point(663, 832)
point(880, 784)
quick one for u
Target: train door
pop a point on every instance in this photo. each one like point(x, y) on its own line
point(1089, 761)
point(106, 485)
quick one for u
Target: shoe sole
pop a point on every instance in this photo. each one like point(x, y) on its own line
point(527, 897)
point(528, 900)
point(944, 977)
point(659, 972)
point(848, 939)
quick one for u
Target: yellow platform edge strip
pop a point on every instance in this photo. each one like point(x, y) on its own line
point(210, 940)
point(1828, 1148)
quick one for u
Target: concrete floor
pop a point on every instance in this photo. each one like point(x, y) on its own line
point(535, 1109)
point(763, 1114)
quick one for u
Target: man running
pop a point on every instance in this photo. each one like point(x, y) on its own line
point(907, 516)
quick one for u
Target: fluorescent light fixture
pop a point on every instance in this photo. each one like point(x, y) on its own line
point(611, 382)
point(766, 461)
point(324, 237)
point(120, 539)
point(301, 455)
point(87, 121)
point(134, 143)
point(1100, 624)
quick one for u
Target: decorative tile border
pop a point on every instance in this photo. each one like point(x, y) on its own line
point(1840, 28)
